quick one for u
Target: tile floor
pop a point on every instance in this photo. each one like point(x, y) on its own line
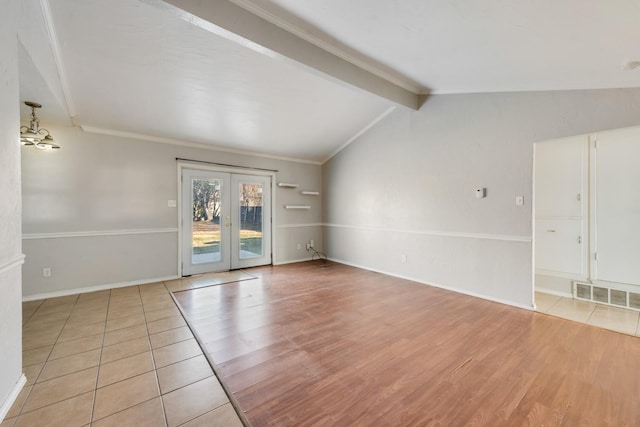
point(604, 316)
point(118, 357)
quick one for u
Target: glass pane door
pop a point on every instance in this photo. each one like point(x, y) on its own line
point(226, 221)
point(251, 210)
point(206, 222)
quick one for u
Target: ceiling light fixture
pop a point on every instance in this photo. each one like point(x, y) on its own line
point(33, 135)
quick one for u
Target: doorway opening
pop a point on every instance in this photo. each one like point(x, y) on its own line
point(586, 228)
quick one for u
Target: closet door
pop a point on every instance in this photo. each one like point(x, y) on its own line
point(561, 247)
point(616, 223)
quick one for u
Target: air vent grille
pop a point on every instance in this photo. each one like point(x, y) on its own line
point(604, 295)
point(618, 297)
point(601, 294)
point(634, 300)
point(583, 291)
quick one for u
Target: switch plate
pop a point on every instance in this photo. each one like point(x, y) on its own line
point(519, 200)
point(171, 203)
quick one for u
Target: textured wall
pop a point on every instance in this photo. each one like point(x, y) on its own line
point(406, 187)
point(10, 243)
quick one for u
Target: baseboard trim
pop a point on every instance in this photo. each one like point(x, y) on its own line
point(87, 289)
point(554, 292)
point(291, 261)
point(13, 395)
point(437, 285)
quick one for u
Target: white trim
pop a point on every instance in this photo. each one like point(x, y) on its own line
point(291, 261)
point(57, 56)
point(360, 133)
point(593, 207)
point(12, 263)
point(561, 274)
point(575, 218)
point(554, 292)
point(186, 164)
point(313, 224)
point(95, 288)
point(436, 285)
point(13, 395)
point(71, 234)
point(202, 146)
point(503, 237)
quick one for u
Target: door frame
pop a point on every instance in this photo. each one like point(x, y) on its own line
point(232, 170)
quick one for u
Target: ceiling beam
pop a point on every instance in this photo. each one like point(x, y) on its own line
point(232, 22)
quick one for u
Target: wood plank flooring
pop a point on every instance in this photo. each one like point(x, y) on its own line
point(340, 346)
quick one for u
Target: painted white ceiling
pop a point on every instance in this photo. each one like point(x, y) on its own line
point(464, 46)
point(133, 66)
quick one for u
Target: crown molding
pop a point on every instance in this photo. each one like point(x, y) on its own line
point(163, 140)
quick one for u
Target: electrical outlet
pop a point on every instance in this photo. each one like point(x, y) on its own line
point(308, 246)
point(403, 258)
point(46, 272)
point(312, 243)
point(298, 246)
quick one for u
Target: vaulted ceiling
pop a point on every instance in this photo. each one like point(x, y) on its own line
point(302, 79)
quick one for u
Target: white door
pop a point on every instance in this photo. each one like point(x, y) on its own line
point(616, 219)
point(561, 246)
point(226, 221)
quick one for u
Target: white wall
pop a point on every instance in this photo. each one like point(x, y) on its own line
point(96, 212)
point(407, 186)
point(10, 245)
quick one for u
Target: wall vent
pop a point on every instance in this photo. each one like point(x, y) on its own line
point(618, 297)
point(583, 291)
point(634, 300)
point(606, 295)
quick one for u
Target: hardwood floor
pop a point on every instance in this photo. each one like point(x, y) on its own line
point(303, 345)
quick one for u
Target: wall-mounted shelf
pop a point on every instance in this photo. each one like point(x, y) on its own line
point(310, 193)
point(297, 207)
point(287, 185)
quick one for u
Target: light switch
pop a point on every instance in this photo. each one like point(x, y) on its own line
point(171, 203)
point(519, 200)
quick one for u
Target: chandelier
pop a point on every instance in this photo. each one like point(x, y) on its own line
point(33, 134)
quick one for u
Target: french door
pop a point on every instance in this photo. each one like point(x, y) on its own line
point(226, 221)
